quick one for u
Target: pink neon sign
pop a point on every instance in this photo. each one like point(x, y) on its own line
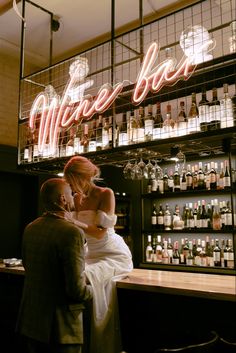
point(74, 106)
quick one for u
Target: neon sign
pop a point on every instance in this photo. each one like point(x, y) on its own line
point(74, 106)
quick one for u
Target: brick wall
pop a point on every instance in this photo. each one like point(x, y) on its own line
point(9, 87)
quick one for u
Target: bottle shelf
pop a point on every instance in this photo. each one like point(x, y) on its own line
point(181, 267)
point(187, 231)
point(156, 194)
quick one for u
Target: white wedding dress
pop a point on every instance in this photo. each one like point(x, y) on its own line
point(107, 260)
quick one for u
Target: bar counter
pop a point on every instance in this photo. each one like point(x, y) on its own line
point(221, 287)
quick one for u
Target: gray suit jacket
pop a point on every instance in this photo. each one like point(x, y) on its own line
point(54, 289)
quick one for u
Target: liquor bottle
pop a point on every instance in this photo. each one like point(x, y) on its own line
point(148, 123)
point(195, 215)
point(228, 216)
point(195, 176)
point(158, 122)
point(190, 217)
point(207, 176)
point(167, 218)
point(203, 256)
point(168, 124)
point(201, 177)
point(216, 219)
point(133, 138)
point(165, 181)
point(204, 217)
point(221, 176)
point(226, 178)
point(189, 178)
point(99, 134)
point(181, 120)
point(199, 211)
point(229, 254)
point(154, 216)
point(105, 133)
point(92, 137)
point(160, 218)
point(176, 255)
point(85, 139)
point(140, 125)
point(165, 255)
point(154, 244)
point(149, 249)
point(223, 214)
point(159, 250)
point(213, 177)
point(171, 181)
point(123, 134)
point(185, 250)
point(203, 109)
point(232, 38)
point(190, 257)
point(214, 111)
point(209, 253)
point(183, 181)
point(170, 250)
point(176, 179)
point(198, 252)
point(193, 119)
point(226, 109)
point(209, 216)
point(216, 253)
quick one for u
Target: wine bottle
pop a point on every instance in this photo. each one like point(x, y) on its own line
point(203, 109)
point(148, 123)
point(216, 219)
point(168, 124)
point(165, 255)
point(189, 178)
point(203, 256)
point(226, 178)
point(140, 125)
point(92, 137)
point(176, 179)
point(149, 249)
point(160, 218)
point(99, 134)
point(214, 111)
point(85, 139)
point(200, 177)
point(181, 120)
point(216, 254)
point(204, 217)
point(226, 109)
point(158, 122)
point(167, 218)
point(176, 255)
point(213, 177)
point(190, 257)
point(154, 216)
point(170, 250)
point(193, 118)
point(123, 134)
point(159, 250)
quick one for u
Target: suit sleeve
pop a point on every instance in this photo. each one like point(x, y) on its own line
point(73, 265)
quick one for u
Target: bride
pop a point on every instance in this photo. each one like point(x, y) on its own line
point(108, 258)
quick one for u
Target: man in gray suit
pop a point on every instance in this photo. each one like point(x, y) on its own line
point(55, 289)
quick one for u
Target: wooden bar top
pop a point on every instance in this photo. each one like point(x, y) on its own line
point(210, 286)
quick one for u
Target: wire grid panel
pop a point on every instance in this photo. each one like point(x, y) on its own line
point(129, 50)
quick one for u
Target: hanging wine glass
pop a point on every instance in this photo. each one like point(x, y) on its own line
point(127, 171)
point(141, 166)
point(136, 172)
point(147, 172)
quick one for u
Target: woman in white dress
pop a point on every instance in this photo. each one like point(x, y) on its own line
point(108, 257)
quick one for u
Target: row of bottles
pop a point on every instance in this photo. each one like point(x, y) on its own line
point(195, 177)
point(144, 123)
point(208, 253)
point(215, 215)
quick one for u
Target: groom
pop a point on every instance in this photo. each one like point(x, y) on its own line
point(55, 290)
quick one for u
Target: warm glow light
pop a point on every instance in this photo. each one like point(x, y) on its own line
point(74, 106)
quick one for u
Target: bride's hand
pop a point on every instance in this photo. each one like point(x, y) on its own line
point(96, 232)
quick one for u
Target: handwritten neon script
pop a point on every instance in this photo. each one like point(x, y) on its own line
point(57, 113)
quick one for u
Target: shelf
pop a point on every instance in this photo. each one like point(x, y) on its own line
point(199, 269)
point(158, 195)
point(184, 231)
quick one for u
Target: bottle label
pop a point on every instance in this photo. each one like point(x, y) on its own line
point(154, 220)
point(175, 261)
point(226, 182)
point(160, 220)
point(189, 262)
point(228, 219)
point(216, 256)
point(167, 220)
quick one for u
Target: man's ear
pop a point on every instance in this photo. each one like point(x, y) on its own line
point(62, 199)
